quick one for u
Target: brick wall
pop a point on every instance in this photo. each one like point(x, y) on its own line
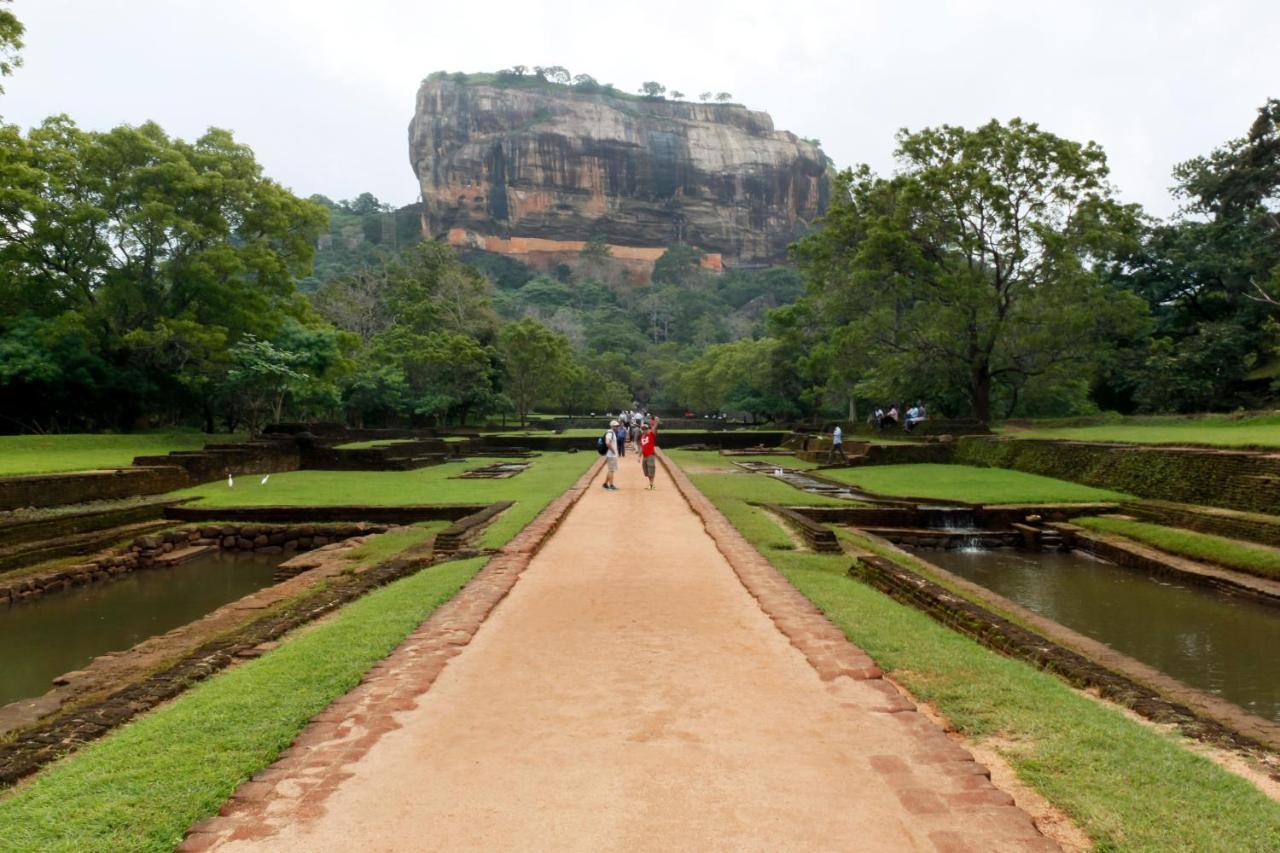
point(43, 490)
point(1235, 479)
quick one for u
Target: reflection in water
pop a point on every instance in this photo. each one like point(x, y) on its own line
point(1223, 644)
point(56, 633)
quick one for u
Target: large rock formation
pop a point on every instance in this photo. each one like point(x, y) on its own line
point(535, 170)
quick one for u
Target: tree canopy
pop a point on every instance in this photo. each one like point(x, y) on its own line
point(975, 269)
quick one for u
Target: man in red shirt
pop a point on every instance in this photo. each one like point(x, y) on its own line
point(649, 444)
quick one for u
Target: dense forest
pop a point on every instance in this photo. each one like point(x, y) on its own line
point(150, 280)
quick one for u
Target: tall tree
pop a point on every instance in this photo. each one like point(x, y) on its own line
point(534, 360)
point(977, 266)
point(144, 238)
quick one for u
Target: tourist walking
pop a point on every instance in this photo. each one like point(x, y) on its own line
point(648, 446)
point(620, 433)
point(837, 446)
point(610, 455)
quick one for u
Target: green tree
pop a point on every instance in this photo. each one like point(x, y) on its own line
point(724, 97)
point(976, 267)
point(1212, 277)
point(652, 89)
point(534, 360)
point(146, 240)
point(260, 377)
point(11, 31)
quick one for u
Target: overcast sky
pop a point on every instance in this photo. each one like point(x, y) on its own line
point(323, 91)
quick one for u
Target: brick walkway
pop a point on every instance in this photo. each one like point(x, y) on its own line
point(650, 683)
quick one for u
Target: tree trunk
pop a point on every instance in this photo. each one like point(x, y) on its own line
point(980, 392)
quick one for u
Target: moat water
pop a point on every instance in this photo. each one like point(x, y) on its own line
point(1223, 644)
point(56, 633)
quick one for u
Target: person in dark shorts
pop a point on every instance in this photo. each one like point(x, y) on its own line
point(648, 446)
point(610, 456)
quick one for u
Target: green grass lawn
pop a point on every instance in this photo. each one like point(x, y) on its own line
point(1254, 559)
point(1127, 785)
point(42, 454)
point(377, 442)
point(713, 459)
point(759, 488)
point(548, 477)
point(140, 787)
point(969, 484)
point(1216, 430)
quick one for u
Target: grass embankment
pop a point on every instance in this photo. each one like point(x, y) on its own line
point(1213, 430)
point(713, 459)
point(44, 454)
point(548, 476)
point(142, 786)
point(736, 485)
point(1130, 787)
point(969, 484)
point(1254, 559)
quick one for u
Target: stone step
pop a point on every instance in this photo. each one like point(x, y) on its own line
point(179, 555)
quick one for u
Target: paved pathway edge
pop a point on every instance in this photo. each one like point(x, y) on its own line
point(835, 659)
point(345, 730)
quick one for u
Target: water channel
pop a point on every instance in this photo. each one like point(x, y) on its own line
point(1223, 644)
point(47, 636)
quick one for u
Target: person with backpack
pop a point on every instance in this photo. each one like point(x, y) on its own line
point(648, 445)
point(607, 446)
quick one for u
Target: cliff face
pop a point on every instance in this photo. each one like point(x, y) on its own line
point(509, 167)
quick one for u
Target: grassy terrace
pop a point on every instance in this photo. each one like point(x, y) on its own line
point(1219, 431)
point(549, 475)
point(717, 476)
point(969, 484)
point(378, 442)
point(1253, 559)
point(43, 454)
point(140, 787)
point(1129, 786)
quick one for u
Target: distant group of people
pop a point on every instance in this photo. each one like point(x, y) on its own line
point(640, 430)
point(882, 419)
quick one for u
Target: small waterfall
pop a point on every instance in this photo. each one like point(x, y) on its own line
point(958, 519)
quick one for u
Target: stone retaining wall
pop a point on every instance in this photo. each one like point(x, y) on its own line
point(817, 536)
point(146, 551)
point(19, 530)
point(462, 532)
point(41, 490)
point(1235, 479)
point(215, 461)
point(1248, 526)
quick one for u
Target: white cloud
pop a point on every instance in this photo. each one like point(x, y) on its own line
point(323, 90)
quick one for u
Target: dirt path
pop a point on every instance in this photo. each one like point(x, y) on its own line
point(629, 693)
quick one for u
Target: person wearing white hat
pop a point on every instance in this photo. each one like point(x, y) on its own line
point(611, 455)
